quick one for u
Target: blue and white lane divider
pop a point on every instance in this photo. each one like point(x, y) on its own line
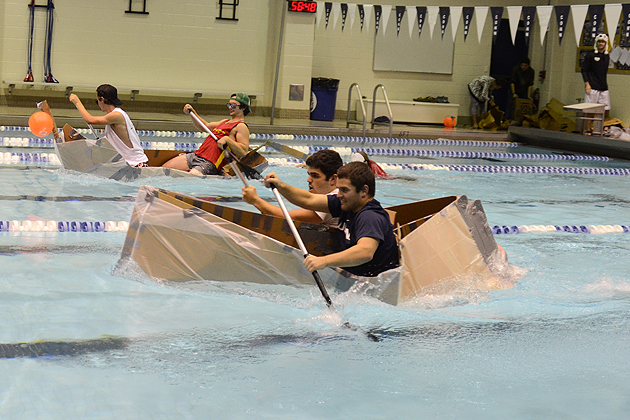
point(498, 169)
point(383, 140)
point(463, 154)
point(593, 229)
point(122, 226)
point(20, 158)
point(54, 226)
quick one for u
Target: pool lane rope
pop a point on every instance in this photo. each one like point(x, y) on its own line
point(51, 160)
point(592, 229)
point(122, 226)
point(54, 226)
point(502, 169)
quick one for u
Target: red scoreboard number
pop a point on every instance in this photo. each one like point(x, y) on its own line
point(302, 6)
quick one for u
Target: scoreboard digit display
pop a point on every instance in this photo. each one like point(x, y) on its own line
point(302, 6)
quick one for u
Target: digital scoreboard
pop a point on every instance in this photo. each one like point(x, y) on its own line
point(302, 6)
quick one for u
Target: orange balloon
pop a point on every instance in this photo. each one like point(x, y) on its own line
point(449, 122)
point(40, 123)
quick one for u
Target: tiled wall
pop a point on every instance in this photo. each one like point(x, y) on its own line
point(180, 45)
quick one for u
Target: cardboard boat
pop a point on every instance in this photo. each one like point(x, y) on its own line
point(175, 237)
point(98, 157)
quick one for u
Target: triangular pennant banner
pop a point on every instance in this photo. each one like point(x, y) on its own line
point(444, 14)
point(578, 11)
point(320, 11)
point(544, 15)
point(336, 11)
point(411, 18)
point(456, 14)
point(400, 12)
point(433, 12)
point(514, 16)
point(596, 13)
point(613, 11)
point(468, 15)
point(562, 14)
point(352, 11)
point(378, 11)
point(344, 15)
point(367, 8)
point(625, 26)
point(361, 14)
point(528, 21)
point(387, 11)
point(422, 14)
point(328, 7)
point(496, 12)
point(481, 12)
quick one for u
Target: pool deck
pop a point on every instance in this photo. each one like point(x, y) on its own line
point(261, 125)
point(571, 142)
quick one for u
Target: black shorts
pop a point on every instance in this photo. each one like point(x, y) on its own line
point(201, 164)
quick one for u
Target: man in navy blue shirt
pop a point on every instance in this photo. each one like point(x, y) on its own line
point(366, 233)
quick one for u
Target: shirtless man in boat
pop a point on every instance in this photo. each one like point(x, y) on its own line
point(119, 129)
point(366, 233)
point(322, 169)
point(231, 132)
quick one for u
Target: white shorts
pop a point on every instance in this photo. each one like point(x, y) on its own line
point(598, 97)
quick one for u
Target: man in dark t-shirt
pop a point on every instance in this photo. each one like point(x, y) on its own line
point(594, 72)
point(366, 232)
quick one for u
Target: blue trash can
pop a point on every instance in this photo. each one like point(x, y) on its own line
point(323, 98)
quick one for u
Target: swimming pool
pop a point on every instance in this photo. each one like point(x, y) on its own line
point(116, 344)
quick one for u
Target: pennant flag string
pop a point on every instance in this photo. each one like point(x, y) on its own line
point(617, 16)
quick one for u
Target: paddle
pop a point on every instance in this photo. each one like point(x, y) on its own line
point(318, 280)
point(249, 171)
point(43, 105)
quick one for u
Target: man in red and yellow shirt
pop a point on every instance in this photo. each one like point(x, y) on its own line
point(231, 132)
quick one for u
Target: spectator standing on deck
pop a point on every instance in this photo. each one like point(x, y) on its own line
point(594, 73)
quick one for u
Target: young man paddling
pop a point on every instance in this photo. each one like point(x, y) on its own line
point(322, 169)
point(231, 132)
point(119, 129)
point(366, 231)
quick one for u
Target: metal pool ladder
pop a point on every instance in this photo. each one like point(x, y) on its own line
point(389, 110)
point(356, 121)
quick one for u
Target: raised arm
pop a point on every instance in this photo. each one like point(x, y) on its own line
point(298, 196)
point(107, 119)
point(303, 215)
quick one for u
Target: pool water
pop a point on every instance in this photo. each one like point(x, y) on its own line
point(86, 338)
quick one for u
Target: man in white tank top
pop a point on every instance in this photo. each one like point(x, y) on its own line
point(119, 129)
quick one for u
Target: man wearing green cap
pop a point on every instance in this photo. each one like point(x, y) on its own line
point(231, 132)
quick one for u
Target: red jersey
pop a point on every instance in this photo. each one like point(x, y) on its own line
point(209, 149)
point(377, 170)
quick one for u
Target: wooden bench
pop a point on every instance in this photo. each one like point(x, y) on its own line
point(411, 111)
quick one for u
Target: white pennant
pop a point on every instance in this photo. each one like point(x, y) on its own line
point(412, 15)
point(481, 13)
point(387, 11)
point(352, 10)
point(456, 15)
point(335, 12)
point(613, 11)
point(514, 16)
point(367, 11)
point(432, 12)
point(544, 14)
point(320, 11)
point(578, 11)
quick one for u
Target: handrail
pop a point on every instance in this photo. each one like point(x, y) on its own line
point(389, 109)
point(348, 122)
